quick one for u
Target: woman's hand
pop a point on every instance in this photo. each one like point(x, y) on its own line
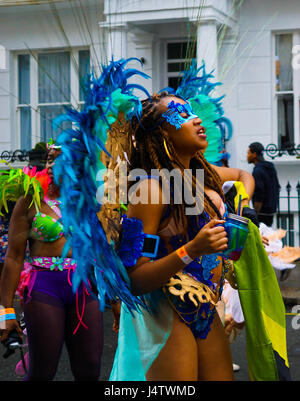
point(231, 324)
point(10, 325)
point(265, 240)
point(212, 238)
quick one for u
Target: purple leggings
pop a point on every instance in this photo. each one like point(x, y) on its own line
point(51, 316)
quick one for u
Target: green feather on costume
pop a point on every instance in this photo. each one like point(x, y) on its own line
point(14, 183)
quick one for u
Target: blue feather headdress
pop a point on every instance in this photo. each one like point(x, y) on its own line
point(196, 87)
point(76, 171)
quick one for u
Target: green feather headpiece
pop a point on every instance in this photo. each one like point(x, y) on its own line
point(15, 183)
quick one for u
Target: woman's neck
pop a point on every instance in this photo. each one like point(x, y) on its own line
point(52, 192)
point(185, 160)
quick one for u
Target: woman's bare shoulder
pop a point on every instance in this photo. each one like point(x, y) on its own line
point(147, 204)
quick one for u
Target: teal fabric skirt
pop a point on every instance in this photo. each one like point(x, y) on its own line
point(142, 335)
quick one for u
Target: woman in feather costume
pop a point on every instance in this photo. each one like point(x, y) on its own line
point(183, 281)
point(167, 258)
point(53, 313)
point(13, 184)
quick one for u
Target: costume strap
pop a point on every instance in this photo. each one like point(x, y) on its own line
point(135, 243)
point(54, 205)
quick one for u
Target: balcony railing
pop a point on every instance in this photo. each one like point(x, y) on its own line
point(34, 157)
point(274, 151)
point(288, 212)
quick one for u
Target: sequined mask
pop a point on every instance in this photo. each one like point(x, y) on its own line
point(173, 114)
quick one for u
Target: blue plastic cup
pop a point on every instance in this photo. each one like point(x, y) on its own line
point(237, 231)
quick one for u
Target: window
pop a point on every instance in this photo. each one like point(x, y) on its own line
point(24, 101)
point(48, 81)
point(84, 68)
point(287, 92)
point(179, 56)
point(54, 89)
point(286, 222)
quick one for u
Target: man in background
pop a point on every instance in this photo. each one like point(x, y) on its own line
point(266, 194)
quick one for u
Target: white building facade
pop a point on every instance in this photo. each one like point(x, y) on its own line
point(46, 47)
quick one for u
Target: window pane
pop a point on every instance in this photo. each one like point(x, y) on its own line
point(173, 82)
point(183, 53)
point(176, 67)
point(47, 114)
point(177, 50)
point(84, 69)
point(284, 71)
point(181, 50)
point(54, 77)
point(285, 105)
point(25, 123)
point(24, 78)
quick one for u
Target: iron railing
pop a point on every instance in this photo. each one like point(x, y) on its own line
point(15, 156)
point(36, 157)
point(274, 151)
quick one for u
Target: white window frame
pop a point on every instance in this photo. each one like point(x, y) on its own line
point(167, 74)
point(295, 92)
point(34, 104)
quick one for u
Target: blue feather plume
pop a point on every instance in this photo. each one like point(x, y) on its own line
point(76, 171)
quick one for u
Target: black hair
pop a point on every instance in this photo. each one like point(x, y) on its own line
point(258, 148)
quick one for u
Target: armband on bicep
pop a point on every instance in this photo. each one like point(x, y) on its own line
point(135, 243)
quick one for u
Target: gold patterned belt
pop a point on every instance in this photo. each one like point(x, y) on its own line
point(183, 289)
point(182, 284)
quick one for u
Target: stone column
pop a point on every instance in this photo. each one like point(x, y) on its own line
point(207, 45)
point(115, 41)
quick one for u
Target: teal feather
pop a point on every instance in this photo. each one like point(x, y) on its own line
point(197, 87)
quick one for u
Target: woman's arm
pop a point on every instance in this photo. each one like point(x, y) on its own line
point(236, 174)
point(14, 259)
point(147, 276)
